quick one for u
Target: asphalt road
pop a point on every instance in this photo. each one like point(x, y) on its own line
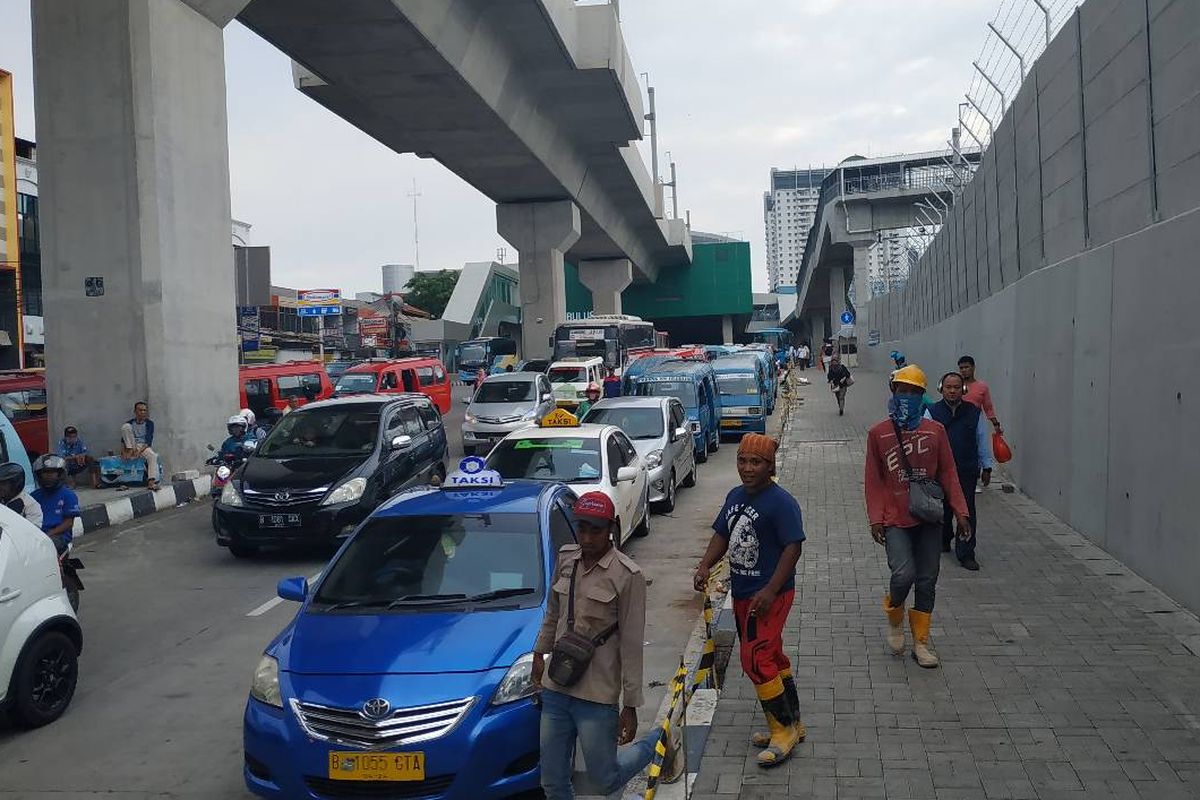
point(174, 626)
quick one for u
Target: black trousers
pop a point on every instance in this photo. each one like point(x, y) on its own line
point(963, 550)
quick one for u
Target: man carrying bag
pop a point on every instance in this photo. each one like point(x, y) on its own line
point(588, 652)
point(909, 472)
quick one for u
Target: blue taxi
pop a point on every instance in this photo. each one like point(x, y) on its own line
point(406, 670)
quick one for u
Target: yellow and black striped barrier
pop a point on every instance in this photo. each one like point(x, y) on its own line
point(660, 747)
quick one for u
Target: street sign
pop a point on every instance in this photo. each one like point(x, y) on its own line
point(249, 328)
point(318, 302)
point(847, 317)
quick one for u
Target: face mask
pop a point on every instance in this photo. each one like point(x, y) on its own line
point(906, 410)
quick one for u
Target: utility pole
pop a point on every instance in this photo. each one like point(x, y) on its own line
point(414, 194)
point(674, 189)
point(652, 118)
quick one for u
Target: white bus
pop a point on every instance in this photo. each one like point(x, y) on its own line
point(610, 337)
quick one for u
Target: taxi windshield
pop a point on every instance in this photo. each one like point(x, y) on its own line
point(357, 383)
point(566, 459)
point(568, 375)
point(737, 384)
point(323, 432)
point(406, 562)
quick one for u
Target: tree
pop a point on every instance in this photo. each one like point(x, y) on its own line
point(430, 291)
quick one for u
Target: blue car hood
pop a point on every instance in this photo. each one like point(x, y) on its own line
point(407, 643)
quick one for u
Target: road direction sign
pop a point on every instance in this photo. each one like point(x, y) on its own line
point(847, 317)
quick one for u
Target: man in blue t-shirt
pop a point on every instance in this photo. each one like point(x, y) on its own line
point(761, 529)
point(60, 505)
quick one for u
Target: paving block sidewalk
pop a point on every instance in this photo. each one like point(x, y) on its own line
point(1064, 675)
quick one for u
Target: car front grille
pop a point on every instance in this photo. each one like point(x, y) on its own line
point(499, 420)
point(289, 499)
point(334, 790)
point(403, 726)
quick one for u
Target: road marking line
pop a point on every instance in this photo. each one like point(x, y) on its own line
point(274, 601)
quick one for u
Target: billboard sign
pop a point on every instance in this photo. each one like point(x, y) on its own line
point(249, 328)
point(319, 302)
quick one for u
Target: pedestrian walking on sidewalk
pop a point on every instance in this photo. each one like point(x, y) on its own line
point(597, 604)
point(803, 355)
point(977, 392)
point(840, 382)
point(761, 528)
point(908, 460)
point(971, 443)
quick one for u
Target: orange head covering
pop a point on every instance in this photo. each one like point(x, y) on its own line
point(756, 444)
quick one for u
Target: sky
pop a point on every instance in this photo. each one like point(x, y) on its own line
point(741, 86)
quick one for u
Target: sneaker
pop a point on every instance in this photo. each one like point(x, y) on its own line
point(979, 488)
point(969, 563)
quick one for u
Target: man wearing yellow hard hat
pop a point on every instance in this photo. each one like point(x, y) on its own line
point(909, 472)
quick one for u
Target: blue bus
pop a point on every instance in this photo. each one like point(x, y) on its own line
point(764, 363)
point(779, 338)
point(744, 392)
point(694, 384)
point(476, 354)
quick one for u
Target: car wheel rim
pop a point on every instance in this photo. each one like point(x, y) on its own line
point(52, 679)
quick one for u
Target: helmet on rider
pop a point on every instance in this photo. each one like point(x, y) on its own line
point(50, 471)
point(237, 426)
point(592, 389)
point(251, 420)
point(12, 481)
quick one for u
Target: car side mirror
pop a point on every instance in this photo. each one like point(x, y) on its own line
point(293, 589)
point(627, 474)
point(401, 442)
point(466, 401)
point(680, 433)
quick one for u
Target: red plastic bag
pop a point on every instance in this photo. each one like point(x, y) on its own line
point(1000, 448)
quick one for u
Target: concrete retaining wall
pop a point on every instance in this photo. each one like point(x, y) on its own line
point(1069, 270)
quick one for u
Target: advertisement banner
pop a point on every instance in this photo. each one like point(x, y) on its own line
point(249, 328)
point(318, 302)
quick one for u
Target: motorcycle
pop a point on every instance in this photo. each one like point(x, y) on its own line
point(68, 567)
point(226, 464)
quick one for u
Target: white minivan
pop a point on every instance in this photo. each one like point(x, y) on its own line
point(40, 637)
point(570, 377)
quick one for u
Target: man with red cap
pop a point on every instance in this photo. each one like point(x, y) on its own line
point(599, 594)
point(761, 528)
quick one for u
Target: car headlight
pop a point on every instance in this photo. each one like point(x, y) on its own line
point(517, 682)
point(653, 459)
point(469, 417)
point(530, 414)
point(348, 492)
point(230, 496)
point(265, 687)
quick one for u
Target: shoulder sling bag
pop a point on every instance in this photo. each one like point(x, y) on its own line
point(572, 654)
point(925, 495)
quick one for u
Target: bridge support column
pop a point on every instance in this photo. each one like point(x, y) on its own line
point(136, 250)
point(862, 288)
point(541, 232)
point(606, 279)
point(727, 329)
point(818, 333)
point(837, 298)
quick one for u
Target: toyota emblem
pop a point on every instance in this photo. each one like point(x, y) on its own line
point(283, 496)
point(376, 709)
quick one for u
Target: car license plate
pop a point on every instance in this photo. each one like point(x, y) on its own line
point(279, 520)
point(731, 423)
point(358, 766)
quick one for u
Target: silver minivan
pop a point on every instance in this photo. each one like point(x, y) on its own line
point(504, 403)
point(659, 430)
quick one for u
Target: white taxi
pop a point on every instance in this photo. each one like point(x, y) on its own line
point(587, 457)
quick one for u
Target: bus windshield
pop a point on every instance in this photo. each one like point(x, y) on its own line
point(474, 354)
point(684, 391)
point(737, 384)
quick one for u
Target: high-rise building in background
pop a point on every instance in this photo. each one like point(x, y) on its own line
point(789, 210)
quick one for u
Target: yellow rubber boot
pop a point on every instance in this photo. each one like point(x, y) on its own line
point(923, 654)
point(895, 634)
point(784, 736)
point(763, 738)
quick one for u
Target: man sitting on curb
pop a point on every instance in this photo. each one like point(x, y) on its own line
point(74, 451)
point(137, 436)
point(761, 528)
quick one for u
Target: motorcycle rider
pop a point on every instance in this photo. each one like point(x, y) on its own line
point(239, 434)
point(59, 504)
point(252, 427)
point(13, 494)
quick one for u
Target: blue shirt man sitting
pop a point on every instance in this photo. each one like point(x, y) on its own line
point(74, 450)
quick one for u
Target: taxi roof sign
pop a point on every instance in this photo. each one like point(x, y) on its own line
point(560, 418)
point(472, 473)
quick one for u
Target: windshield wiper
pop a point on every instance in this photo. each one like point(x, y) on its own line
point(427, 599)
point(381, 601)
point(500, 593)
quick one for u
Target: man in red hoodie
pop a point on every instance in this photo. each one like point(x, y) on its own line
point(914, 547)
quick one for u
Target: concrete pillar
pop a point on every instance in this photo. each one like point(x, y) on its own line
point(134, 176)
point(541, 232)
point(862, 290)
point(837, 298)
point(606, 279)
point(727, 329)
point(818, 332)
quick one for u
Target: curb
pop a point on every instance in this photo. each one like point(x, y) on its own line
point(138, 504)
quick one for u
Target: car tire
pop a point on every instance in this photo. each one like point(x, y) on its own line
point(668, 505)
point(716, 445)
point(689, 480)
point(702, 453)
point(643, 530)
point(44, 680)
point(243, 550)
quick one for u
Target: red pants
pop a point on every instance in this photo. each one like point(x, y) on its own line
point(762, 638)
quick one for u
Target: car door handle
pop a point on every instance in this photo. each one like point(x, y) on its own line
point(7, 594)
